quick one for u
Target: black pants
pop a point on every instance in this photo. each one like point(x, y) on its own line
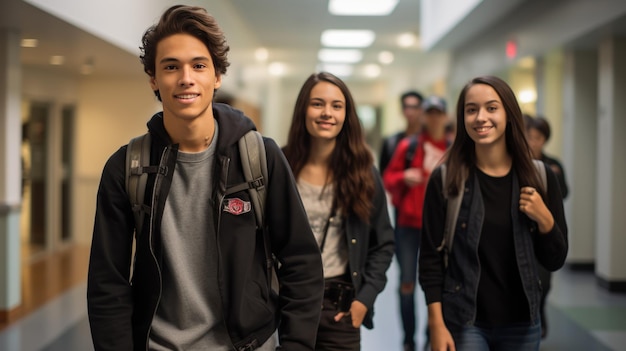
point(336, 336)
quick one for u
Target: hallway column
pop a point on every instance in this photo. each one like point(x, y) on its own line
point(273, 126)
point(580, 138)
point(611, 167)
point(10, 171)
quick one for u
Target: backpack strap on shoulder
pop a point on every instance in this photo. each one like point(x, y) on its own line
point(453, 206)
point(137, 169)
point(254, 163)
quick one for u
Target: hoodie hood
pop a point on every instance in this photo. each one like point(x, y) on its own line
point(233, 125)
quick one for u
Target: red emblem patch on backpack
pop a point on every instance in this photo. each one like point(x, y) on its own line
point(237, 206)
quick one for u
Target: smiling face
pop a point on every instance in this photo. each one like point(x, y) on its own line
point(326, 112)
point(185, 77)
point(484, 116)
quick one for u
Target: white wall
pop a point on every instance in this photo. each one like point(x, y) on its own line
point(580, 118)
point(537, 27)
point(130, 18)
point(109, 112)
point(611, 205)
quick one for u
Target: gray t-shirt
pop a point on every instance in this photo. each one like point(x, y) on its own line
point(189, 315)
point(317, 202)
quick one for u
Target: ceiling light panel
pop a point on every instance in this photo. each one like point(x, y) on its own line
point(407, 40)
point(340, 70)
point(57, 60)
point(347, 38)
point(385, 57)
point(361, 7)
point(340, 55)
point(29, 43)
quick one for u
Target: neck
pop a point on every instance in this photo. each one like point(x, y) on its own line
point(413, 128)
point(317, 168)
point(493, 160)
point(437, 135)
point(192, 136)
point(537, 155)
point(321, 150)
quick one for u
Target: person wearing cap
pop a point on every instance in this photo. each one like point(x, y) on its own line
point(405, 179)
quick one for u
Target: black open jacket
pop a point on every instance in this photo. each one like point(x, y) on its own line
point(121, 311)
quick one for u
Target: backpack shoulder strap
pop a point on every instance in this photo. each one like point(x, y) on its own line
point(410, 151)
point(254, 163)
point(453, 207)
point(541, 168)
point(137, 164)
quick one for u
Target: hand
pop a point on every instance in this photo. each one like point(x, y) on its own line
point(532, 205)
point(413, 176)
point(357, 310)
point(441, 339)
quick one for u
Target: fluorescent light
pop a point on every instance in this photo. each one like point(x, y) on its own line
point(261, 54)
point(277, 69)
point(340, 70)
point(57, 60)
point(347, 38)
point(527, 96)
point(30, 43)
point(361, 7)
point(371, 70)
point(340, 56)
point(385, 57)
point(406, 40)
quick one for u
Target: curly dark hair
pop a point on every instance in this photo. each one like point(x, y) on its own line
point(351, 161)
point(190, 20)
point(461, 156)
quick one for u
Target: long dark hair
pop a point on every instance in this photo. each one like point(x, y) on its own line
point(351, 161)
point(462, 155)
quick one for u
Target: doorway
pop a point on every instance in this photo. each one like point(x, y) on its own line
point(47, 140)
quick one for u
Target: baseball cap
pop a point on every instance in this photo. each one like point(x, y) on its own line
point(434, 102)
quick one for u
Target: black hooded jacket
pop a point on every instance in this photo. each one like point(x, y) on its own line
point(121, 309)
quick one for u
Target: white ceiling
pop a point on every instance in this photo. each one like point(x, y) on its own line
point(57, 37)
point(290, 30)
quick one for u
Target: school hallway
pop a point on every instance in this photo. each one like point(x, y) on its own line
point(582, 315)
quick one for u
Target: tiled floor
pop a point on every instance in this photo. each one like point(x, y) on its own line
point(582, 316)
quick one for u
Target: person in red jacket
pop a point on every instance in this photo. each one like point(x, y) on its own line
point(405, 179)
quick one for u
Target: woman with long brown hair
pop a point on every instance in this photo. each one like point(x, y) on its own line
point(346, 205)
point(487, 297)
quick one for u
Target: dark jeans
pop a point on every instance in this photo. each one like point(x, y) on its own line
point(545, 276)
point(336, 336)
point(407, 248)
point(509, 338)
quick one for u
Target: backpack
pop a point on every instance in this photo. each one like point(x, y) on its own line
point(453, 207)
point(253, 161)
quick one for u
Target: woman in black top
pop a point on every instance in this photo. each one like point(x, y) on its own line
point(488, 295)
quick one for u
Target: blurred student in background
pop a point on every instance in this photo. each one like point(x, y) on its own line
point(483, 291)
point(346, 206)
point(538, 134)
point(405, 179)
point(412, 112)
